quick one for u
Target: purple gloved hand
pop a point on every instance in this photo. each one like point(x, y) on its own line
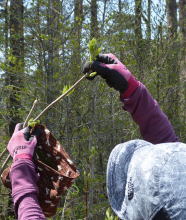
point(114, 72)
point(22, 144)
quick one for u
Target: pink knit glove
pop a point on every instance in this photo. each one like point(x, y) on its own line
point(21, 144)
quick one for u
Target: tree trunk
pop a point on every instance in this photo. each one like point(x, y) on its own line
point(6, 30)
point(78, 19)
point(172, 64)
point(172, 17)
point(138, 37)
point(15, 73)
point(40, 63)
point(182, 23)
point(103, 16)
point(138, 16)
point(94, 32)
point(52, 65)
point(172, 31)
point(120, 37)
point(53, 46)
point(149, 20)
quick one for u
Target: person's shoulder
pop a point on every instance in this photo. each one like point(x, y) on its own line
point(172, 146)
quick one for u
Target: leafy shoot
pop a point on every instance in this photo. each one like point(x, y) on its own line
point(66, 88)
point(94, 51)
point(32, 123)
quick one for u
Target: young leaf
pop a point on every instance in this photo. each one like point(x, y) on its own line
point(92, 74)
point(94, 50)
point(32, 123)
point(66, 88)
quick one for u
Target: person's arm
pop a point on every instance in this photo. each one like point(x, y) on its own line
point(24, 190)
point(23, 175)
point(153, 123)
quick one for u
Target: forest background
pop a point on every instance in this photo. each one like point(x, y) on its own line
point(43, 46)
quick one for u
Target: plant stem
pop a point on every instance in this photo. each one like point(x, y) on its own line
point(60, 97)
point(46, 109)
point(64, 206)
point(5, 150)
point(3, 153)
point(5, 163)
point(31, 110)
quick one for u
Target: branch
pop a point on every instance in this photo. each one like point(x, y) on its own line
point(31, 110)
point(5, 150)
point(60, 97)
point(5, 163)
point(46, 109)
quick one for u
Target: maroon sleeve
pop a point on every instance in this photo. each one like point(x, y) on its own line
point(24, 190)
point(153, 123)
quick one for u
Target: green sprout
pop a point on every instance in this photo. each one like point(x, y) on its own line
point(66, 88)
point(32, 123)
point(94, 50)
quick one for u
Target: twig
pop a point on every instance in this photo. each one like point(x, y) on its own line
point(31, 110)
point(5, 163)
point(46, 109)
point(64, 206)
point(2, 153)
point(60, 97)
point(5, 150)
point(50, 168)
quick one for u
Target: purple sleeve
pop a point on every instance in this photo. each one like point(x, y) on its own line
point(153, 123)
point(24, 190)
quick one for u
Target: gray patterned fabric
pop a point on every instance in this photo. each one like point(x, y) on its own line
point(142, 178)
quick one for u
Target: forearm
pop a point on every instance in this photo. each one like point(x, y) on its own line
point(153, 123)
point(24, 190)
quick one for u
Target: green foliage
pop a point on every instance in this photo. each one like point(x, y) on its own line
point(32, 123)
point(92, 74)
point(110, 215)
point(94, 49)
point(66, 88)
point(89, 122)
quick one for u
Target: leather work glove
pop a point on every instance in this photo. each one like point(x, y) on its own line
point(114, 72)
point(22, 144)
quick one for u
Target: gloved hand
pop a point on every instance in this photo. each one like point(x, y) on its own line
point(22, 144)
point(114, 72)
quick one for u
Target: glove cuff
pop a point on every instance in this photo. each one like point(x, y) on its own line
point(22, 156)
point(133, 84)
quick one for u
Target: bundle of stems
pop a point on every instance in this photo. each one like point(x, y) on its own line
point(44, 111)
